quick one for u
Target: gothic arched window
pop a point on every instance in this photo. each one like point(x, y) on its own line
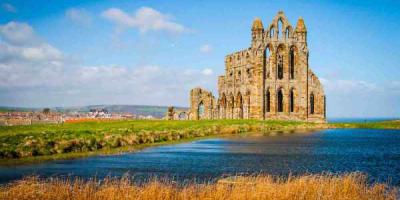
point(200, 110)
point(223, 106)
point(287, 33)
point(280, 31)
point(271, 32)
point(182, 116)
point(291, 64)
point(268, 101)
point(280, 101)
point(311, 103)
point(267, 55)
point(280, 67)
point(291, 100)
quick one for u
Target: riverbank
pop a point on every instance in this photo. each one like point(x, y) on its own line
point(392, 124)
point(350, 186)
point(36, 143)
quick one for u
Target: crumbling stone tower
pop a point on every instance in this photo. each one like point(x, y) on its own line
point(269, 80)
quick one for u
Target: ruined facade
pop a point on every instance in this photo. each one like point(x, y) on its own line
point(176, 114)
point(269, 80)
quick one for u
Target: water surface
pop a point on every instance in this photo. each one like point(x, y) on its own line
point(375, 152)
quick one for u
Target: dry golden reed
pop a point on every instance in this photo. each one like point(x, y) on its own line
point(350, 186)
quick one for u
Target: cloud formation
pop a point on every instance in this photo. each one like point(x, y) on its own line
point(18, 34)
point(24, 58)
point(359, 98)
point(35, 73)
point(207, 71)
point(79, 16)
point(349, 86)
point(145, 19)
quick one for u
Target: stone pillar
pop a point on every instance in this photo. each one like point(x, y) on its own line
point(256, 104)
point(302, 79)
point(170, 113)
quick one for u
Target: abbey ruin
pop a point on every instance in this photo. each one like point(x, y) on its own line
point(269, 80)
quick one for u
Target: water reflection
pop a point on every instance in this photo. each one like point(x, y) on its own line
point(376, 152)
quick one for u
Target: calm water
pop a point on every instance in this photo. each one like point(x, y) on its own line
point(376, 152)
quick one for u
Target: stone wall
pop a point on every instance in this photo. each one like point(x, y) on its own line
point(177, 114)
point(202, 104)
point(269, 80)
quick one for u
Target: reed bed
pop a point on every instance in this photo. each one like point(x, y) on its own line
point(325, 186)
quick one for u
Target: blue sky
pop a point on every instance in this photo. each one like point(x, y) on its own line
point(65, 53)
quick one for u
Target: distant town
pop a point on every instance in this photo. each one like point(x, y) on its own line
point(48, 116)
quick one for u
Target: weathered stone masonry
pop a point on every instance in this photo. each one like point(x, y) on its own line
point(269, 80)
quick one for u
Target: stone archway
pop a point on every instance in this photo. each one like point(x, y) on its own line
point(239, 106)
point(292, 100)
point(223, 106)
point(200, 111)
point(292, 62)
point(183, 116)
point(230, 108)
point(268, 101)
point(280, 100)
point(280, 63)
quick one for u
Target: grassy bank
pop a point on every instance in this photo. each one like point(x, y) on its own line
point(43, 142)
point(395, 124)
point(351, 186)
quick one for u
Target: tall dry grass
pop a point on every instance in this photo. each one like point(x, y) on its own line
point(351, 186)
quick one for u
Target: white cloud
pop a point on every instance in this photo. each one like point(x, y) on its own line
point(349, 86)
point(19, 44)
point(41, 52)
point(8, 7)
point(25, 61)
point(17, 33)
point(39, 74)
point(360, 98)
point(206, 48)
point(145, 19)
point(79, 16)
point(207, 71)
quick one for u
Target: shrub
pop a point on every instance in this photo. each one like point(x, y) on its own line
point(116, 142)
point(10, 153)
point(131, 139)
point(63, 146)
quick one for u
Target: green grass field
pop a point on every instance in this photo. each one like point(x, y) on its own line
point(43, 142)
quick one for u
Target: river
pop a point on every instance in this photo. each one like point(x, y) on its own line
point(374, 152)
